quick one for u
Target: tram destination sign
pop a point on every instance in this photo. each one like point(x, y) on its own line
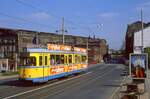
point(65, 48)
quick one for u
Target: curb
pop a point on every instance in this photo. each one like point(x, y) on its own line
point(8, 77)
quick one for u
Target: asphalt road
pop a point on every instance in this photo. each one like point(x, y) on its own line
point(99, 82)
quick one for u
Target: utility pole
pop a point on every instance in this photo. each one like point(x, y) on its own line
point(63, 30)
point(87, 47)
point(37, 38)
point(142, 30)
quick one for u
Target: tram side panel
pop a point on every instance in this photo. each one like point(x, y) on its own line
point(57, 69)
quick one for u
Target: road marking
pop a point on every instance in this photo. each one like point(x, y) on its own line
point(73, 85)
point(58, 83)
point(92, 80)
point(46, 86)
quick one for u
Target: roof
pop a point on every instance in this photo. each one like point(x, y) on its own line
point(147, 29)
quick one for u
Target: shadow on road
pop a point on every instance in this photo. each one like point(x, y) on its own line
point(19, 83)
point(111, 85)
point(22, 83)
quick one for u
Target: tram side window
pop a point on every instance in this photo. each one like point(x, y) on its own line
point(62, 59)
point(40, 60)
point(45, 60)
point(77, 59)
point(66, 60)
point(52, 59)
point(28, 61)
point(58, 59)
point(33, 61)
point(84, 59)
point(70, 59)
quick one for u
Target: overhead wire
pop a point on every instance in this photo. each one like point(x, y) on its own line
point(57, 17)
point(36, 8)
point(23, 20)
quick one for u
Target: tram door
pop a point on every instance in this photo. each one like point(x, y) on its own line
point(66, 62)
point(43, 63)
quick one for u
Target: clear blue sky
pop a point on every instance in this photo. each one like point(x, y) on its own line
point(108, 19)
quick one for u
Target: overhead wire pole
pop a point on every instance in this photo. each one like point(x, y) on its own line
point(142, 44)
point(87, 48)
point(63, 30)
point(145, 81)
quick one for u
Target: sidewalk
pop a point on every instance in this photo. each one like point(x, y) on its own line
point(148, 83)
point(7, 77)
point(121, 91)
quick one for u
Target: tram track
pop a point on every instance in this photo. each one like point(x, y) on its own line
point(56, 87)
point(77, 80)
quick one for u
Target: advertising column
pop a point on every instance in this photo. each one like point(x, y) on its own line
point(138, 66)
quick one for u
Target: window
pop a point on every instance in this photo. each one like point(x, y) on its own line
point(40, 60)
point(62, 59)
point(14, 48)
point(28, 61)
point(77, 59)
point(58, 59)
point(70, 59)
point(5, 41)
point(52, 59)
point(33, 61)
point(45, 60)
point(84, 59)
point(66, 61)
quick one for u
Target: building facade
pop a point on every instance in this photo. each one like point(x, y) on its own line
point(129, 39)
point(15, 41)
point(146, 38)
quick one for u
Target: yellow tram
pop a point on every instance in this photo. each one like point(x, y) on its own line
point(41, 65)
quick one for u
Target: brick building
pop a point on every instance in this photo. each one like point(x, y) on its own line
point(14, 41)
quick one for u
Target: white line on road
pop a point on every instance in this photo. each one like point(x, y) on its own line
point(86, 84)
point(46, 86)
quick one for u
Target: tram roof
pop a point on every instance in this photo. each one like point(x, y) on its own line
point(44, 50)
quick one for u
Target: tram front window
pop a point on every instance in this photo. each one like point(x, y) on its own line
point(28, 61)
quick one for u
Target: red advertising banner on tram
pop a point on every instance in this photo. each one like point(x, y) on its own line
point(72, 68)
point(57, 70)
